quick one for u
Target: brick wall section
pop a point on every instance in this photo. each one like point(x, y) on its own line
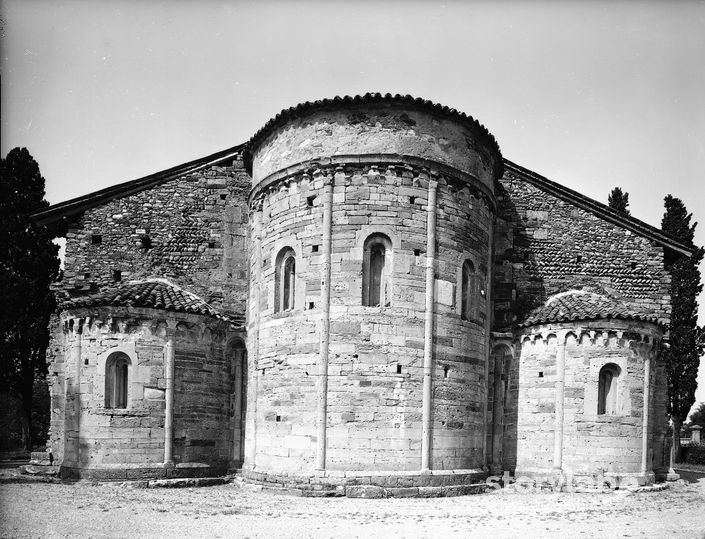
point(197, 226)
point(538, 239)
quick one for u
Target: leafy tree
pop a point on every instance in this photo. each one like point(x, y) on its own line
point(698, 416)
point(28, 265)
point(687, 339)
point(619, 200)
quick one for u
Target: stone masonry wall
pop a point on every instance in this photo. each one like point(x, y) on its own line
point(592, 443)
point(191, 230)
point(376, 353)
point(380, 155)
point(113, 441)
point(545, 245)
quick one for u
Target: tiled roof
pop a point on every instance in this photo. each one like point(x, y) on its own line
point(407, 100)
point(581, 305)
point(152, 294)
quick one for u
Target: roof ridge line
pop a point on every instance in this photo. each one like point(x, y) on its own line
point(56, 211)
point(600, 209)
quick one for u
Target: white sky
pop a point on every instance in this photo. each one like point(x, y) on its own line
point(590, 94)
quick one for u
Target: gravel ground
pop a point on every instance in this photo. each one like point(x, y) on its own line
point(89, 510)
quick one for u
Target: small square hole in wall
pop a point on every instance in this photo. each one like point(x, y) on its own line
point(145, 242)
point(117, 276)
point(398, 369)
point(279, 418)
point(412, 200)
point(311, 200)
point(540, 374)
point(417, 252)
point(85, 361)
point(314, 248)
point(579, 259)
point(86, 276)
point(310, 305)
point(96, 239)
point(445, 372)
point(633, 265)
point(211, 245)
point(223, 196)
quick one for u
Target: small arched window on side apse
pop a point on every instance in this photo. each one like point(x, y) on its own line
point(607, 390)
point(375, 271)
point(285, 280)
point(467, 299)
point(117, 369)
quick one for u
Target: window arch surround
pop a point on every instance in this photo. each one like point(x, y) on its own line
point(285, 280)
point(607, 400)
point(117, 380)
point(376, 271)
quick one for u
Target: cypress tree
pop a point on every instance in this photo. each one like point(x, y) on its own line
point(28, 265)
point(686, 338)
point(619, 200)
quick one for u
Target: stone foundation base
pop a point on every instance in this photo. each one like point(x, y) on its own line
point(369, 484)
point(136, 473)
point(566, 482)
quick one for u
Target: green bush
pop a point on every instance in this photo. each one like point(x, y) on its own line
point(694, 454)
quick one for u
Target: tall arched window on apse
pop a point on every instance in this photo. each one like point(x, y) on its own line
point(607, 390)
point(285, 280)
point(116, 380)
point(375, 271)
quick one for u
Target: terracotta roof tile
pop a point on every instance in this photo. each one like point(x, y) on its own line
point(151, 294)
point(581, 305)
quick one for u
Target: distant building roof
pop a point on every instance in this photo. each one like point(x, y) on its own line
point(151, 294)
point(576, 305)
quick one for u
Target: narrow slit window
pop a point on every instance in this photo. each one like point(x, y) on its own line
point(607, 390)
point(285, 280)
point(467, 290)
point(376, 271)
point(116, 381)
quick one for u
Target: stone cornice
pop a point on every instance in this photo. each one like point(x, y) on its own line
point(370, 162)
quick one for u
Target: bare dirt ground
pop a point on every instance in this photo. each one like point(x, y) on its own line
point(89, 510)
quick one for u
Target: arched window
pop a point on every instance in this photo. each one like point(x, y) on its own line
point(467, 299)
point(117, 369)
point(607, 390)
point(285, 280)
point(375, 271)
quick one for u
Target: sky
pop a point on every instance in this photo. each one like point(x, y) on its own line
point(591, 94)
